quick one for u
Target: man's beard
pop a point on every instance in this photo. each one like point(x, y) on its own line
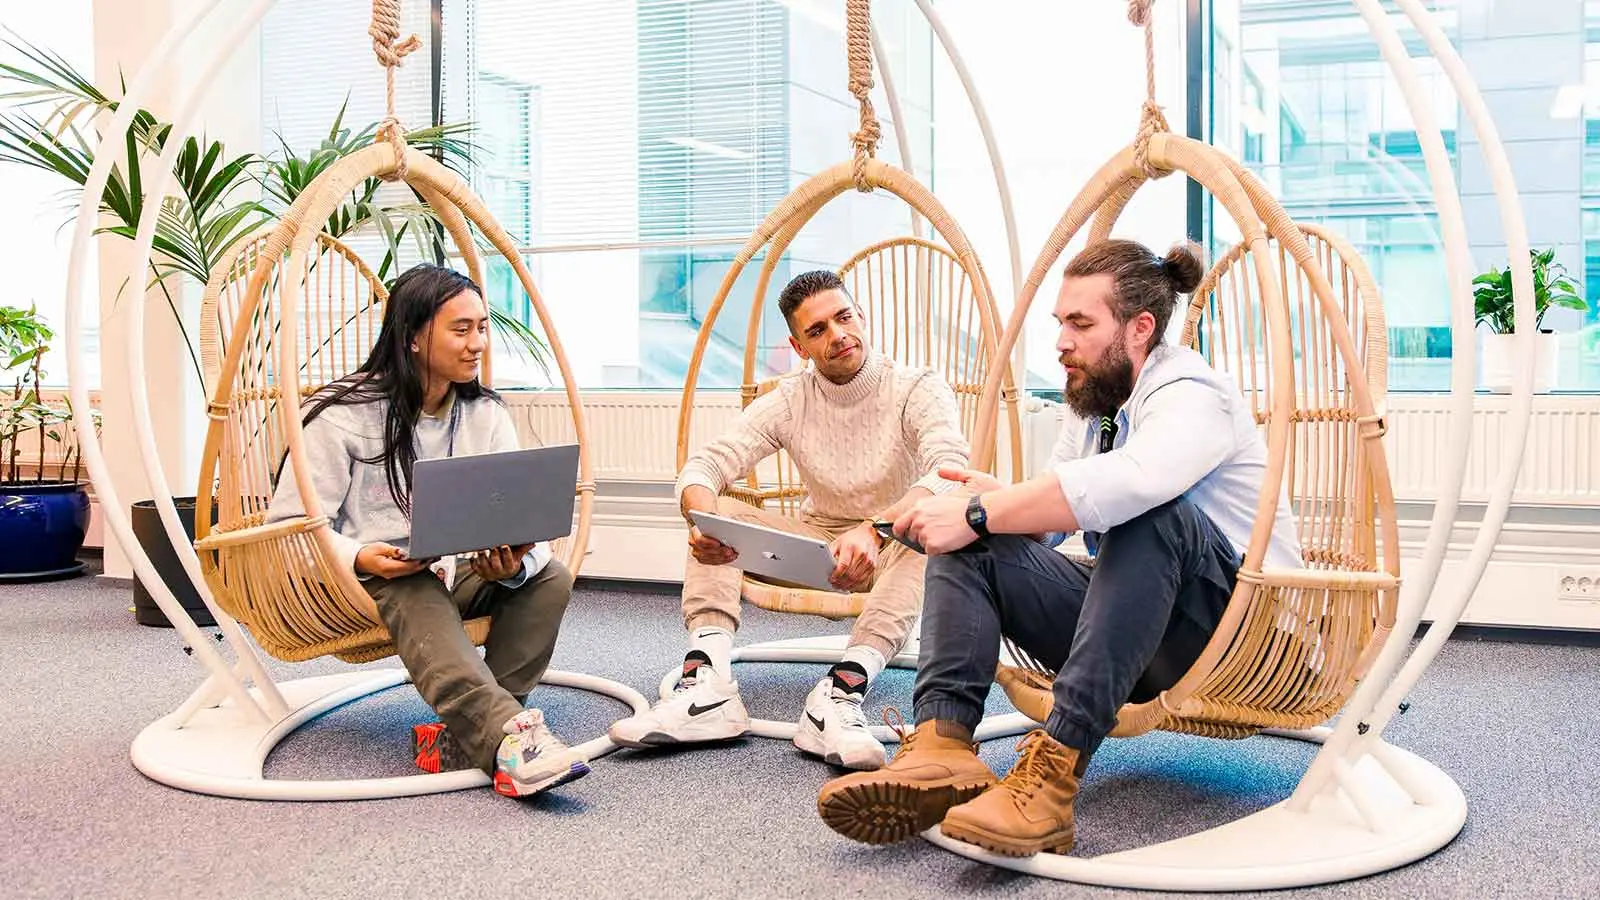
point(1102, 387)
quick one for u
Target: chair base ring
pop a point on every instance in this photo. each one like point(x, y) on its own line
point(1277, 847)
point(826, 650)
point(221, 753)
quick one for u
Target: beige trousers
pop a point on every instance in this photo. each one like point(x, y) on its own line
point(711, 594)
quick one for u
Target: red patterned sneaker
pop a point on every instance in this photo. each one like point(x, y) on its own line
point(435, 750)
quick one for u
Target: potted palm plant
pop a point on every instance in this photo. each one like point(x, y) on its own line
point(44, 507)
point(220, 200)
point(1492, 300)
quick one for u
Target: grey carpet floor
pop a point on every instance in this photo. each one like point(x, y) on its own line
point(1515, 725)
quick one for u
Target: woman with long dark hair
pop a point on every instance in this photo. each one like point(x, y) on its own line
point(417, 396)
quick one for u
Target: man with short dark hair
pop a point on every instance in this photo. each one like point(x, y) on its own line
point(1160, 465)
point(869, 438)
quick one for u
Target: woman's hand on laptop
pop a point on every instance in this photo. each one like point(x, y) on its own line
point(386, 561)
point(499, 563)
point(855, 554)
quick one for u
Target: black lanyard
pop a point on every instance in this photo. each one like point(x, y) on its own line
point(1108, 433)
point(455, 422)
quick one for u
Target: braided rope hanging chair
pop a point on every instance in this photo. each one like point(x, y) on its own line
point(925, 304)
point(289, 311)
point(1292, 643)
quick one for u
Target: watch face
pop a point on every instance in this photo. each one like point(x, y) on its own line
point(977, 516)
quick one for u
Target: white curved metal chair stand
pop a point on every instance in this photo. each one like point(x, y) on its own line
point(219, 750)
point(218, 738)
point(1364, 805)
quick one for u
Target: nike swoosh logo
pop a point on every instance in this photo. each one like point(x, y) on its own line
point(820, 725)
point(697, 710)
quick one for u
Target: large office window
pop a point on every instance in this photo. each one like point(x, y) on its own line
point(34, 243)
point(631, 146)
point(1313, 108)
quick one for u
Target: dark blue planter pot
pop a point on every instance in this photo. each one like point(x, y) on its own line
point(41, 530)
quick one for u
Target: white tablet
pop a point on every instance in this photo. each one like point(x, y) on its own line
point(771, 553)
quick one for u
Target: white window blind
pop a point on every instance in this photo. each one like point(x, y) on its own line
point(34, 244)
point(632, 145)
point(663, 120)
point(315, 54)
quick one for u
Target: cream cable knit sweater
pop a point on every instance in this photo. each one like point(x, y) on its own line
point(859, 446)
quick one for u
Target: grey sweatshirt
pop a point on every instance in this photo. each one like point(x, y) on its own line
point(355, 494)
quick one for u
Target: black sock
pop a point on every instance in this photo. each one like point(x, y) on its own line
point(692, 661)
point(849, 678)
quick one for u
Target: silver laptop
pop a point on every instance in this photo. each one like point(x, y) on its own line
point(770, 553)
point(464, 503)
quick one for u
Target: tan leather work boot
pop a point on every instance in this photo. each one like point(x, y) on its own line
point(929, 774)
point(1030, 810)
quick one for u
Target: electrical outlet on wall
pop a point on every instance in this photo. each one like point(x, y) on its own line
point(1579, 584)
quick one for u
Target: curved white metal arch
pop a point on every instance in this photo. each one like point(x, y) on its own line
point(248, 660)
point(1364, 805)
point(111, 506)
point(209, 745)
point(1385, 703)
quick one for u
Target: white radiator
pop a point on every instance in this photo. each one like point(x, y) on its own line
point(1560, 468)
point(632, 434)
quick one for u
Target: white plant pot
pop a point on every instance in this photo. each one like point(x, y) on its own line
point(1498, 362)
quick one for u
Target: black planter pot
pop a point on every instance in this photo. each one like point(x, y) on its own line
point(41, 530)
point(152, 539)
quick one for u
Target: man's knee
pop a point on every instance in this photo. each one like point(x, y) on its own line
point(734, 508)
point(1167, 520)
point(401, 598)
point(974, 563)
point(981, 554)
point(558, 576)
point(949, 566)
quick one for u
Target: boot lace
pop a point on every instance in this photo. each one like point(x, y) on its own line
point(1040, 760)
point(897, 724)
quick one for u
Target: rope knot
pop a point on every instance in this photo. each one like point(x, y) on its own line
point(1151, 123)
point(385, 32)
point(391, 52)
point(858, 50)
point(1151, 119)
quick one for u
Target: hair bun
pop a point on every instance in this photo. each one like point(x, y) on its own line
point(1184, 265)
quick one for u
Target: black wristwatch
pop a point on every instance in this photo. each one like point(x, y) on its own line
point(977, 516)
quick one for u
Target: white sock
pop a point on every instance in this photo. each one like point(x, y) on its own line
point(868, 658)
point(716, 643)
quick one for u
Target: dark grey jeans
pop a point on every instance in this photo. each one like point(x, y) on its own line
point(474, 696)
point(1125, 629)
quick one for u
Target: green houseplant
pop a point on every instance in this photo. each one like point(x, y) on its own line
point(44, 512)
point(49, 110)
point(1492, 303)
point(220, 198)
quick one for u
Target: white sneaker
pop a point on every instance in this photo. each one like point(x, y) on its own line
point(835, 729)
point(531, 759)
point(703, 707)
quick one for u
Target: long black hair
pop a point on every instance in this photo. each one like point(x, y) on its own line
point(390, 372)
